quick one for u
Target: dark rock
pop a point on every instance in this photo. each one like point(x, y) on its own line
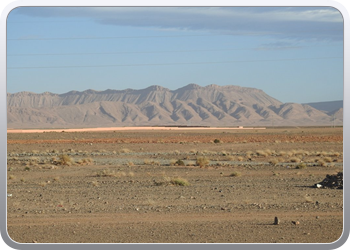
point(332, 181)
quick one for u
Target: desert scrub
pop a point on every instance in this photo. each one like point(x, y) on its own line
point(249, 153)
point(236, 174)
point(88, 161)
point(322, 163)
point(217, 141)
point(273, 161)
point(327, 159)
point(125, 150)
point(12, 177)
point(106, 173)
point(294, 159)
point(230, 158)
point(301, 166)
point(151, 162)
point(202, 161)
point(261, 153)
point(240, 158)
point(180, 163)
point(65, 160)
point(179, 182)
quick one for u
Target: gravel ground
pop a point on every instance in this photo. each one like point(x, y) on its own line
point(127, 192)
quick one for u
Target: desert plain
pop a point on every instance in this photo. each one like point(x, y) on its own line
point(175, 186)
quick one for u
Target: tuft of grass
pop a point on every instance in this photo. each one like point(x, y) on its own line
point(240, 158)
point(294, 159)
point(180, 163)
point(130, 163)
point(43, 184)
point(202, 161)
point(151, 162)
point(249, 153)
point(23, 180)
point(261, 153)
point(230, 158)
point(106, 173)
point(236, 174)
point(322, 163)
point(94, 183)
point(179, 182)
point(26, 168)
point(301, 166)
point(308, 199)
point(217, 141)
point(65, 160)
point(12, 177)
point(125, 150)
point(273, 161)
point(327, 159)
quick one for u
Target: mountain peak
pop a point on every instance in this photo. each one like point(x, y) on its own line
point(155, 88)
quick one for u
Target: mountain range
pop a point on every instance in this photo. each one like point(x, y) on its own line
point(191, 105)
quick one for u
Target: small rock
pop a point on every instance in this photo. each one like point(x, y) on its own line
point(296, 222)
point(277, 221)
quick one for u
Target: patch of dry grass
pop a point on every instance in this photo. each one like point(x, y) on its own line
point(236, 174)
point(202, 161)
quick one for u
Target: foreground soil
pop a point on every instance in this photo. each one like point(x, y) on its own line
point(125, 186)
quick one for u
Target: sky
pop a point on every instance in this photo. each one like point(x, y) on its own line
point(294, 54)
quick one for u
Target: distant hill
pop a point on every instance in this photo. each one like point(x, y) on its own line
point(191, 105)
point(328, 107)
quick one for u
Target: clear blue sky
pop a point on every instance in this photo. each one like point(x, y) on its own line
point(293, 54)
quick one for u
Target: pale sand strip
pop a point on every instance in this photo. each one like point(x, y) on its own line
point(120, 129)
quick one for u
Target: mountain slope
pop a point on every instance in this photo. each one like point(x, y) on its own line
point(190, 105)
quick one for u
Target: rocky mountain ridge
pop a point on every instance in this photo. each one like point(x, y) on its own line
point(191, 105)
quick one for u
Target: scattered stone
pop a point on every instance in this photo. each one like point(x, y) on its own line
point(296, 222)
point(277, 221)
point(9, 195)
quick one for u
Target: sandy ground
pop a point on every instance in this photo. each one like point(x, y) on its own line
point(118, 186)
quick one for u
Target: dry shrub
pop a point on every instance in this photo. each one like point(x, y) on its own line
point(261, 153)
point(202, 161)
point(273, 161)
point(12, 177)
point(179, 182)
point(327, 159)
point(130, 163)
point(301, 166)
point(236, 174)
point(179, 163)
point(240, 158)
point(125, 150)
point(65, 160)
point(106, 173)
point(322, 163)
point(294, 159)
point(249, 153)
point(230, 158)
point(151, 162)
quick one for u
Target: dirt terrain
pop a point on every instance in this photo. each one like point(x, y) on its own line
point(215, 186)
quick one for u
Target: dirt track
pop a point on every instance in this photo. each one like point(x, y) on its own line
point(125, 194)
